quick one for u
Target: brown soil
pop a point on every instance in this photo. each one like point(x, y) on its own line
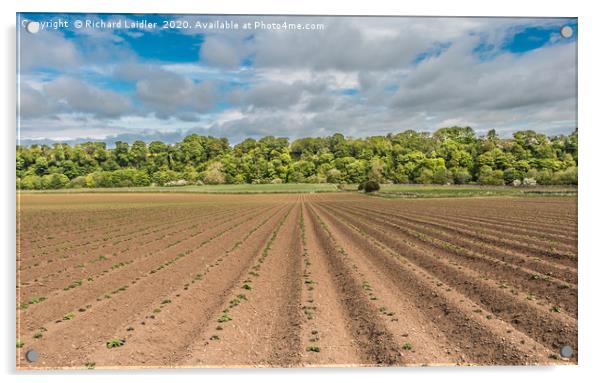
point(340, 279)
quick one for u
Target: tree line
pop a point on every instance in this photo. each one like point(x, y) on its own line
point(452, 155)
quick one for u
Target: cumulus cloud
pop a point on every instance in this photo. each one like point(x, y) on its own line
point(222, 52)
point(67, 94)
point(79, 96)
point(167, 93)
point(457, 82)
point(360, 76)
point(49, 49)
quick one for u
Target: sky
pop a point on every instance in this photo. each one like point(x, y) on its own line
point(162, 77)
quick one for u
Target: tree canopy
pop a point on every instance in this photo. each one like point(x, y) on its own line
point(449, 155)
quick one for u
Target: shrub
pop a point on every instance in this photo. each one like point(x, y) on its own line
point(54, 181)
point(214, 174)
point(488, 176)
point(333, 176)
point(442, 176)
point(462, 176)
point(77, 182)
point(565, 177)
point(425, 176)
point(512, 174)
point(371, 186)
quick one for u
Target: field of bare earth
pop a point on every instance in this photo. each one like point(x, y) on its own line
point(107, 280)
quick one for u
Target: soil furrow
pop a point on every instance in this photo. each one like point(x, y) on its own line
point(104, 319)
point(548, 328)
point(155, 264)
point(255, 333)
point(461, 333)
point(376, 345)
point(554, 290)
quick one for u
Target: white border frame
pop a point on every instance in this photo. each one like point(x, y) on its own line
point(589, 201)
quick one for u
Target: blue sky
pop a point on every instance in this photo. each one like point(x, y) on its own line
point(357, 75)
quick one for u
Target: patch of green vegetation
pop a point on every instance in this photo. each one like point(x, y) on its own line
point(115, 342)
point(73, 285)
point(20, 344)
point(407, 346)
point(309, 312)
point(211, 189)
point(68, 316)
point(36, 300)
point(224, 318)
point(313, 348)
point(454, 191)
point(90, 365)
point(366, 286)
point(247, 286)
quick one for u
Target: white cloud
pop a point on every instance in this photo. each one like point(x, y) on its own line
point(48, 49)
point(296, 84)
point(67, 94)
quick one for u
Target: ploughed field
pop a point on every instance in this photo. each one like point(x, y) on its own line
point(190, 280)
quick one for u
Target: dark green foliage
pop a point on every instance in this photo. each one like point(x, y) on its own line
point(371, 186)
point(450, 155)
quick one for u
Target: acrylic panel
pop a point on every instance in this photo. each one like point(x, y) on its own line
point(295, 191)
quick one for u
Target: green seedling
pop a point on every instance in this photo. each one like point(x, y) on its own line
point(115, 342)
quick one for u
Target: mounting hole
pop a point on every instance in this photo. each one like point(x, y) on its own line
point(566, 351)
point(32, 27)
point(32, 356)
point(566, 32)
